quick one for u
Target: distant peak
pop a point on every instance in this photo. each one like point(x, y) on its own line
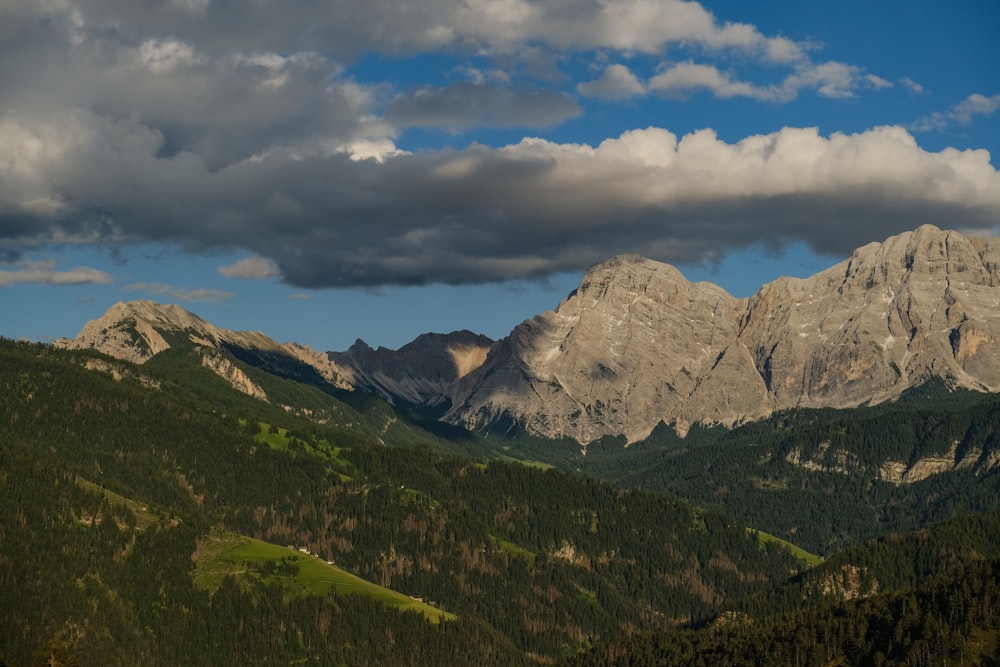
point(155, 313)
point(624, 260)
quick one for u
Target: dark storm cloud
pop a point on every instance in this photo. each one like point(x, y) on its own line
point(184, 122)
point(482, 214)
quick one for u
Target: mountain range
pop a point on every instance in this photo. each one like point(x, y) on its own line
point(636, 345)
point(298, 506)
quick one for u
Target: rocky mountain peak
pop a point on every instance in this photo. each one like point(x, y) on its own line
point(133, 331)
point(637, 344)
point(169, 316)
point(608, 358)
point(421, 372)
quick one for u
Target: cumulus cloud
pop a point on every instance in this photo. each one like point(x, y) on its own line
point(829, 79)
point(687, 77)
point(206, 295)
point(463, 105)
point(251, 268)
point(616, 83)
point(480, 214)
point(182, 122)
point(960, 114)
point(44, 272)
point(358, 26)
point(223, 107)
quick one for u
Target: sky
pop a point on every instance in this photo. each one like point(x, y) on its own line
point(327, 171)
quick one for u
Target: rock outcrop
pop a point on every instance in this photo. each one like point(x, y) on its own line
point(423, 372)
point(637, 344)
point(137, 331)
point(623, 351)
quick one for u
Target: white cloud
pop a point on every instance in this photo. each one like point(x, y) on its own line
point(877, 82)
point(207, 295)
point(683, 78)
point(251, 268)
point(617, 82)
point(829, 79)
point(960, 114)
point(44, 272)
point(358, 26)
point(975, 105)
point(189, 124)
point(522, 210)
point(911, 85)
point(220, 100)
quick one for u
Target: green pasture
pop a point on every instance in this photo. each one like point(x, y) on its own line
point(514, 549)
point(224, 555)
point(801, 554)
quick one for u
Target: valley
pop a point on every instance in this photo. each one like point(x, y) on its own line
point(652, 473)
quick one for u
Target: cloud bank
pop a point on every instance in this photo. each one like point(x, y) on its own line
point(185, 123)
point(482, 214)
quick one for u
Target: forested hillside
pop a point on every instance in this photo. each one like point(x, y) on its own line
point(952, 620)
point(113, 488)
point(133, 496)
point(823, 479)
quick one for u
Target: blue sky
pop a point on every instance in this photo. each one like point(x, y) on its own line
point(330, 171)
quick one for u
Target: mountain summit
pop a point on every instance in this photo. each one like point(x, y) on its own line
point(636, 344)
point(135, 331)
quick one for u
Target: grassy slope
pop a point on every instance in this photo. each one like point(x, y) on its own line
point(230, 554)
point(808, 558)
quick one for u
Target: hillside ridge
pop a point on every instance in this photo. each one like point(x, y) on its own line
point(637, 344)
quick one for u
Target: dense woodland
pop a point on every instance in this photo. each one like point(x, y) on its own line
point(840, 499)
point(112, 486)
point(951, 620)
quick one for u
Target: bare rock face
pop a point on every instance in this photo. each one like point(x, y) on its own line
point(637, 344)
point(896, 313)
point(139, 330)
point(232, 374)
point(126, 331)
point(422, 372)
point(622, 352)
point(134, 331)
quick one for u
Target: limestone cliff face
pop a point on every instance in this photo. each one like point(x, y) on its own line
point(136, 331)
point(625, 349)
point(637, 344)
point(232, 374)
point(422, 372)
point(918, 305)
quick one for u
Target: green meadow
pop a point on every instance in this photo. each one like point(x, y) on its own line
point(801, 554)
point(298, 573)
